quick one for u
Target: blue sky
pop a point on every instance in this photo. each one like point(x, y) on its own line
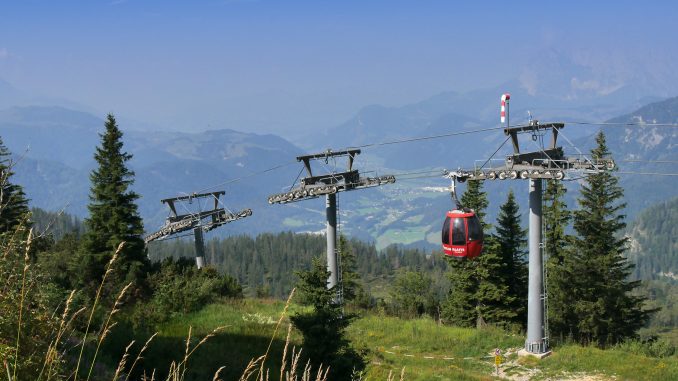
point(291, 66)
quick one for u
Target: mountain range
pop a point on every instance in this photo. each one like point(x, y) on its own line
point(54, 146)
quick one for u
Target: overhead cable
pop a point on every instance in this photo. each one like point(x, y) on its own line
point(465, 132)
point(450, 134)
point(647, 173)
point(624, 124)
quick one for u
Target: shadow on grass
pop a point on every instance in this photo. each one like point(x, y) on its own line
point(232, 350)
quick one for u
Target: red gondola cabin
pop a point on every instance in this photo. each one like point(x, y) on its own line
point(462, 234)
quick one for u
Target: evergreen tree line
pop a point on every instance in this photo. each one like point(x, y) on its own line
point(56, 224)
point(265, 265)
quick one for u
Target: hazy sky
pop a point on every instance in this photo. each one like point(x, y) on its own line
point(276, 66)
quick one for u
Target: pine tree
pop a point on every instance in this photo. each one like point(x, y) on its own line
point(460, 307)
point(512, 240)
point(350, 279)
point(557, 242)
point(13, 203)
point(495, 303)
point(113, 217)
point(324, 328)
point(606, 310)
point(475, 198)
point(556, 218)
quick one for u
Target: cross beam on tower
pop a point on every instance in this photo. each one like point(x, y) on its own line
point(545, 163)
point(313, 186)
point(328, 184)
point(199, 222)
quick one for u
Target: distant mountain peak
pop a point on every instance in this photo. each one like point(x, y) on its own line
point(48, 116)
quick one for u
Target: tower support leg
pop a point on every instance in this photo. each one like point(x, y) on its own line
point(199, 248)
point(331, 212)
point(536, 342)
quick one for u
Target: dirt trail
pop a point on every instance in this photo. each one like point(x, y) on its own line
point(514, 371)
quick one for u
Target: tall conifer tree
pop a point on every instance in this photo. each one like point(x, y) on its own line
point(475, 198)
point(495, 303)
point(460, 307)
point(556, 218)
point(607, 312)
point(350, 279)
point(113, 216)
point(557, 242)
point(13, 202)
point(512, 239)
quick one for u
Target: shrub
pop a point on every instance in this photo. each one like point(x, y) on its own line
point(412, 295)
point(653, 347)
point(178, 287)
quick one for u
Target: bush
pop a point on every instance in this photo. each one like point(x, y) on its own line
point(651, 348)
point(412, 295)
point(178, 287)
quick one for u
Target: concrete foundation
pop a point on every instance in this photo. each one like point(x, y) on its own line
point(525, 353)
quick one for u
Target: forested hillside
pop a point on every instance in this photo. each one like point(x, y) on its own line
point(653, 247)
point(654, 242)
point(56, 224)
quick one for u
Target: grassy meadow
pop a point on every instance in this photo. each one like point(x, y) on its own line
point(425, 349)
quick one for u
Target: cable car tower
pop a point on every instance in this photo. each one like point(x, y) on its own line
point(329, 184)
point(535, 166)
point(199, 222)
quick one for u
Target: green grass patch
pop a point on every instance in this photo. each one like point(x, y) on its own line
point(368, 210)
point(401, 236)
point(428, 350)
point(610, 362)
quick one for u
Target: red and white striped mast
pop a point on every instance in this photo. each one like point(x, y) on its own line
point(505, 108)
